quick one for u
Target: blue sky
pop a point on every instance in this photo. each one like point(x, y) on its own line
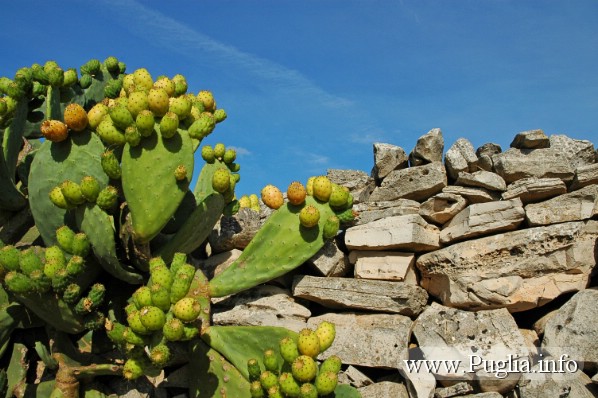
point(311, 85)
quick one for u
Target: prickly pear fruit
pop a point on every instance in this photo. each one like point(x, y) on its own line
point(91, 67)
point(219, 150)
point(180, 287)
point(207, 154)
point(70, 77)
point(132, 136)
point(54, 130)
point(268, 379)
point(221, 180)
point(85, 81)
point(296, 193)
point(75, 117)
point(169, 124)
point(152, 318)
point(331, 364)
point(29, 261)
point(96, 114)
point(308, 343)
point(142, 297)
point(121, 117)
point(137, 102)
point(110, 165)
point(80, 246)
point(304, 368)
point(145, 123)
point(109, 134)
point(143, 79)
point(219, 115)
point(256, 390)
point(94, 320)
point(133, 338)
point(189, 332)
point(9, 258)
point(308, 390)
point(202, 126)
point(72, 293)
point(158, 101)
point(75, 266)
point(271, 360)
point(180, 84)
point(309, 186)
point(288, 385)
point(309, 216)
point(61, 280)
point(244, 201)
point(17, 282)
point(180, 173)
point(55, 76)
point(173, 329)
point(322, 187)
point(90, 188)
point(55, 254)
point(181, 106)
point(288, 349)
point(331, 227)
point(72, 192)
point(338, 196)
point(160, 297)
point(133, 369)
point(253, 369)
point(107, 198)
point(165, 83)
point(326, 382)
point(57, 198)
point(160, 355)
point(134, 321)
point(326, 333)
point(229, 156)
point(187, 309)
point(272, 197)
point(274, 392)
point(207, 99)
point(111, 64)
point(64, 237)
point(161, 275)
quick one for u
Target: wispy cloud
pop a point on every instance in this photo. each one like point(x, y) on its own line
point(368, 137)
point(241, 150)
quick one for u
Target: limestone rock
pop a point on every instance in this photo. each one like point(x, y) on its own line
point(372, 340)
point(234, 232)
point(384, 389)
point(531, 139)
point(359, 182)
point(534, 189)
point(551, 384)
point(387, 158)
point(369, 295)
point(515, 164)
point(516, 270)
point(372, 211)
point(458, 389)
point(460, 157)
point(575, 206)
point(354, 377)
point(416, 183)
point(472, 337)
point(420, 383)
point(577, 152)
point(217, 263)
point(406, 233)
point(440, 208)
point(573, 329)
point(482, 179)
point(472, 195)
point(584, 176)
point(330, 260)
point(384, 265)
point(483, 219)
point(485, 153)
point(428, 149)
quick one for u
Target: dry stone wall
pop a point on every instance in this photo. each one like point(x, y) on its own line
point(480, 255)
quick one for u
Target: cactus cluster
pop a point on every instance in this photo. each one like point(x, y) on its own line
point(296, 371)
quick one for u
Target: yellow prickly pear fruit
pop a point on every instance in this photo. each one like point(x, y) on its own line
point(244, 201)
point(296, 193)
point(158, 101)
point(96, 114)
point(309, 216)
point(308, 343)
point(326, 332)
point(167, 84)
point(322, 187)
point(142, 79)
point(180, 173)
point(219, 150)
point(309, 186)
point(221, 180)
point(207, 99)
point(137, 101)
point(272, 197)
point(75, 117)
point(339, 196)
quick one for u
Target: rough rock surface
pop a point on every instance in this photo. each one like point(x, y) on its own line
point(442, 207)
point(577, 152)
point(384, 265)
point(531, 139)
point(460, 157)
point(387, 158)
point(584, 175)
point(575, 206)
point(360, 184)
point(534, 189)
point(416, 183)
point(372, 211)
point(483, 179)
point(428, 149)
point(515, 164)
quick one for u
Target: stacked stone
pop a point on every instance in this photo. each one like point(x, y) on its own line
point(447, 249)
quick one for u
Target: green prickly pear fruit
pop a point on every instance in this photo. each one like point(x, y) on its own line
point(234, 167)
point(221, 180)
point(219, 150)
point(134, 321)
point(17, 282)
point(109, 134)
point(133, 338)
point(137, 102)
point(90, 188)
point(160, 297)
point(271, 360)
point(115, 332)
point(178, 260)
point(113, 87)
point(160, 355)
point(309, 216)
point(173, 329)
point(169, 124)
point(331, 227)
point(91, 67)
point(181, 106)
point(75, 117)
point(57, 198)
point(274, 392)
point(108, 198)
point(268, 379)
point(189, 332)
point(304, 368)
point(121, 117)
point(296, 193)
point(180, 84)
point(133, 369)
point(41, 283)
point(85, 81)
point(94, 320)
point(29, 261)
point(272, 197)
point(3, 107)
point(161, 275)
point(37, 91)
point(288, 385)
point(180, 173)
point(326, 333)
point(308, 390)
point(55, 76)
point(256, 390)
point(51, 267)
point(143, 79)
point(152, 318)
point(288, 349)
point(72, 293)
point(338, 196)
point(207, 99)
point(158, 101)
point(54, 130)
point(202, 126)
point(326, 382)
point(229, 156)
point(81, 244)
point(253, 369)
point(72, 192)
point(219, 115)
point(61, 280)
point(122, 67)
point(156, 262)
point(96, 294)
point(187, 309)
point(207, 154)
point(55, 253)
point(75, 266)
point(111, 64)
point(180, 287)
point(142, 297)
point(331, 364)
point(145, 123)
point(132, 136)
point(70, 77)
point(96, 114)
point(64, 237)
point(308, 343)
point(167, 84)
point(322, 188)
point(244, 201)
point(9, 258)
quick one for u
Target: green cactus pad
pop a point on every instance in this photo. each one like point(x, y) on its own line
point(280, 246)
point(11, 199)
point(153, 201)
point(53, 311)
point(55, 162)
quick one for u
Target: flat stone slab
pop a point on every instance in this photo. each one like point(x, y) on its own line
point(384, 389)
point(482, 179)
point(473, 194)
point(584, 176)
point(330, 260)
point(369, 295)
point(371, 340)
point(534, 189)
point(384, 265)
point(517, 270)
point(483, 219)
point(416, 183)
point(442, 207)
point(515, 164)
point(531, 139)
point(406, 233)
point(575, 206)
point(372, 211)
